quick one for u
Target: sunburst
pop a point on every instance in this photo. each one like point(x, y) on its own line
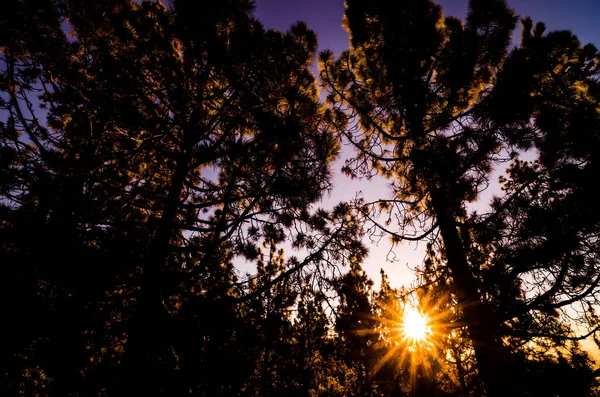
point(414, 334)
point(415, 326)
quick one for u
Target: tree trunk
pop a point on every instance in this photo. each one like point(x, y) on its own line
point(149, 364)
point(476, 315)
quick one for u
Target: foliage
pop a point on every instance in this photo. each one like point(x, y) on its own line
point(439, 106)
point(145, 152)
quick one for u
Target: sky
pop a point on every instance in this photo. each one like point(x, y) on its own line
point(325, 18)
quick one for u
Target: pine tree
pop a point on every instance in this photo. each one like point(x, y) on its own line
point(145, 151)
point(439, 105)
point(355, 325)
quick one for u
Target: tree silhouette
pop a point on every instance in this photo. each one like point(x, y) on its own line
point(355, 326)
point(437, 105)
point(144, 151)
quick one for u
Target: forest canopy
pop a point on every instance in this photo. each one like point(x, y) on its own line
point(147, 152)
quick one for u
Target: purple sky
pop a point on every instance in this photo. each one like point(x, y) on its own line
point(325, 18)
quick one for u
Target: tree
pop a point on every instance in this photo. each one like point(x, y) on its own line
point(144, 151)
point(314, 350)
point(355, 325)
point(439, 105)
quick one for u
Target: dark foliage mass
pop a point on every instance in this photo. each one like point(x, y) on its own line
point(155, 162)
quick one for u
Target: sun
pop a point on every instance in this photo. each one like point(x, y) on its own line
point(415, 325)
